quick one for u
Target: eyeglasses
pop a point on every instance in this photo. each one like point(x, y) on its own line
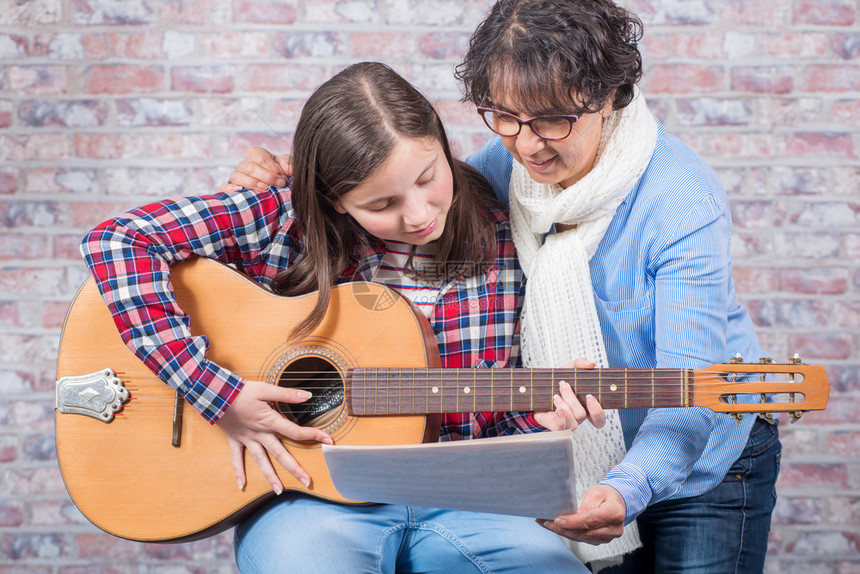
point(554, 127)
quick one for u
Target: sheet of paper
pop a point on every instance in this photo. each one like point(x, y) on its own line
point(524, 475)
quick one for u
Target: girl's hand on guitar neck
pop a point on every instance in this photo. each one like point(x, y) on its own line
point(251, 423)
point(259, 170)
point(569, 413)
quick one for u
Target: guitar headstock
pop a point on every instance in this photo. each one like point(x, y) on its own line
point(764, 387)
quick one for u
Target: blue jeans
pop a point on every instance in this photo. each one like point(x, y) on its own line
point(299, 534)
point(723, 531)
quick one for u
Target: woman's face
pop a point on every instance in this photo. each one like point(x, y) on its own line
point(407, 199)
point(562, 162)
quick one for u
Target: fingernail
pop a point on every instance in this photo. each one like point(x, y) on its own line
point(327, 440)
point(305, 394)
point(589, 397)
point(281, 183)
point(262, 186)
point(277, 488)
point(305, 481)
point(240, 483)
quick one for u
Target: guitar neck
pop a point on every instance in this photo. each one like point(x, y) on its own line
point(425, 391)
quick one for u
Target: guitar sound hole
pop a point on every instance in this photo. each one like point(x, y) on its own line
point(323, 380)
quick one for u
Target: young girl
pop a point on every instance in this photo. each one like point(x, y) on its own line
point(375, 195)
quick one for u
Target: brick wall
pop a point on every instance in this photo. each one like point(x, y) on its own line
point(107, 103)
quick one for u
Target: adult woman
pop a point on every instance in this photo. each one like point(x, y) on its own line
point(377, 191)
point(623, 230)
point(642, 219)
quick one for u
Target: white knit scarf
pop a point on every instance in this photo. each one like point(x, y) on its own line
point(559, 321)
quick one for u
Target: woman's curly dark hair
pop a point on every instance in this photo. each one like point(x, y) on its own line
point(554, 56)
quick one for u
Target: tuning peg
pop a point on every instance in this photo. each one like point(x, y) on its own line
point(767, 416)
point(794, 416)
point(795, 360)
point(738, 418)
point(736, 359)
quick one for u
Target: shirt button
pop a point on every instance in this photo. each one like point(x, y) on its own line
point(437, 328)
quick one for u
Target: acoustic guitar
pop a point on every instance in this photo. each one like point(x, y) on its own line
point(138, 469)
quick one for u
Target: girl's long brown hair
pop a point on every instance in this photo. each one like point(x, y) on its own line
point(346, 131)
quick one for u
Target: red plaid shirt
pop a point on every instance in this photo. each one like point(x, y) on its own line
point(475, 319)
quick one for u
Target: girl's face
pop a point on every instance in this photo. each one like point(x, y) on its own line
point(407, 199)
point(562, 162)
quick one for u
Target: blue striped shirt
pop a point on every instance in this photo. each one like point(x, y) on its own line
point(665, 297)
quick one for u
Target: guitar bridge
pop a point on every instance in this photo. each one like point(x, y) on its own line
point(100, 395)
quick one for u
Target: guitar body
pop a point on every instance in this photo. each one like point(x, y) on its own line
point(142, 476)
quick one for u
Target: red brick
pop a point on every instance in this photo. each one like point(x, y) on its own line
point(66, 247)
point(123, 79)
point(798, 475)
point(684, 78)
point(754, 279)
point(140, 46)
point(265, 11)
point(831, 78)
point(11, 513)
point(17, 246)
point(765, 13)
point(383, 45)
point(827, 12)
point(285, 115)
point(437, 13)
point(13, 46)
point(71, 46)
point(443, 45)
point(800, 181)
point(794, 510)
point(803, 314)
point(828, 214)
point(847, 46)
point(278, 78)
point(820, 281)
point(92, 12)
point(757, 214)
point(61, 180)
point(206, 79)
point(820, 144)
point(67, 113)
point(824, 543)
point(790, 45)
point(32, 12)
point(338, 11)
point(147, 112)
point(15, 214)
point(36, 147)
point(192, 146)
point(88, 214)
point(7, 110)
point(8, 448)
point(34, 481)
point(53, 313)
point(822, 345)
point(309, 44)
point(8, 181)
point(845, 112)
point(236, 43)
point(762, 79)
point(109, 146)
point(38, 79)
point(843, 444)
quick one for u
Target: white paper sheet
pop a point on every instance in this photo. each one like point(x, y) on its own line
point(524, 475)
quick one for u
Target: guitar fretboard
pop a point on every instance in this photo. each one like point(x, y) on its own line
point(426, 391)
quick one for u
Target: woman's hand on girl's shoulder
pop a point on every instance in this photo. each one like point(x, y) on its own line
point(569, 413)
point(259, 170)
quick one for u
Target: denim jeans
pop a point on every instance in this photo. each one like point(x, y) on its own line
point(723, 531)
point(298, 534)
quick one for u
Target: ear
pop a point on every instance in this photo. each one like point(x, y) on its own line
point(339, 208)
